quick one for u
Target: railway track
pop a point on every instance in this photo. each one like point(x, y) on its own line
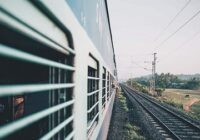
point(170, 125)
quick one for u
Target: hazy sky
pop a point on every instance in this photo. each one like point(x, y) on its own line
point(138, 27)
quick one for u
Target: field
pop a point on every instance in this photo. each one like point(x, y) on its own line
point(187, 101)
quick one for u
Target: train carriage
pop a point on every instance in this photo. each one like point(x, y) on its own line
point(57, 69)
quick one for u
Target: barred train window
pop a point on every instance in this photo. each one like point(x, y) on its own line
point(34, 79)
point(104, 88)
point(108, 86)
point(93, 94)
point(111, 84)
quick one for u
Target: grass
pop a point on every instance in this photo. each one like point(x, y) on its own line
point(131, 130)
point(176, 98)
point(194, 93)
point(195, 111)
point(122, 99)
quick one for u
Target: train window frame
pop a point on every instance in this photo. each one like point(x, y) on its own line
point(111, 84)
point(108, 86)
point(104, 93)
point(93, 90)
point(60, 60)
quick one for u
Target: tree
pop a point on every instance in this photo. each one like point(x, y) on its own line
point(193, 83)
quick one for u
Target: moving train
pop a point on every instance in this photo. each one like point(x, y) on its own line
point(58, 72)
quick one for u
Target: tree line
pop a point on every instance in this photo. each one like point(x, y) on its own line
point(171, 81)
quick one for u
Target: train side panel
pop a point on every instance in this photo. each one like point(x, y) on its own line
point(56, 68)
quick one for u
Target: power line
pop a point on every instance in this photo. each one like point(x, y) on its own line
point(134, 55)
point(137, 64)
point(140, 66)
point(181, 45)
point(173, 19)
point(183, 25)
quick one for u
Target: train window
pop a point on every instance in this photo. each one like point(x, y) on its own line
point(111, 84)
point(104, 88)
point(36, 88)
point(93, 95)
point(108, 86)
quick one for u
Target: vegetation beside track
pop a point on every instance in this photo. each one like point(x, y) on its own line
point(122, 126)
point(178, 97)
point(171, 119)
point(123, 101)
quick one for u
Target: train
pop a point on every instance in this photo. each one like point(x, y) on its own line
point(58, 73)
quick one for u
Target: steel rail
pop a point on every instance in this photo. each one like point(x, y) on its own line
point(193, 127)
point(154, 116)
point(174, 114)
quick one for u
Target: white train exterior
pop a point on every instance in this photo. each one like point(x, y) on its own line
point(57, 69)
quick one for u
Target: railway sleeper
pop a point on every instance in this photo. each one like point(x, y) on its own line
point(189, 137)
point(180, 126)
point(182, 130)
point(190, 133)
point(175, 124)
point(168, 139)
point(172, 120)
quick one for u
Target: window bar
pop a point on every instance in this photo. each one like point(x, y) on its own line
point(93, 78)
point(104, 104)
point(93, 92)
point(64, 96)
point(70, 136)
point(54, 85)
point(91, 123)
point(58, 102)
point(53, 97)
point(34, 33)
point(19, 89)
point(57, 129)
point(17, 125)
point(50, 97)
point(108, 86)
point(104, 96)
point(20, 55)
point(92, 107)
point(103, 88)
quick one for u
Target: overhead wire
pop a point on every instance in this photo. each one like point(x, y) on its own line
point(173, 19)
point(140, 66)
point(181, 45)
point(135, 55)
point(179, 28)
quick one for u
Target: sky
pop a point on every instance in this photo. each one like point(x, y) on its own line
point(142, 27)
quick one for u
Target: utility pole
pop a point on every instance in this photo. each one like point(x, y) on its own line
point(154, 72)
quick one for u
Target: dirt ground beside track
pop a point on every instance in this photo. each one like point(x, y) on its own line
point(122, 125)
point(119, 117)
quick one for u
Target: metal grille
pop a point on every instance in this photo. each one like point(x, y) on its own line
point(104, 88)
point(93, 98)
point(111, 84)
point(108, 85)
point(36, 86)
